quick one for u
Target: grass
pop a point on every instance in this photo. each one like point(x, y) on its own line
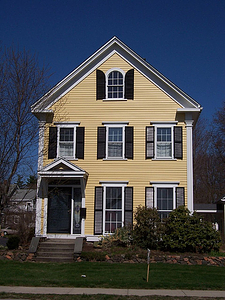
point(107, 275)
point(95, 297)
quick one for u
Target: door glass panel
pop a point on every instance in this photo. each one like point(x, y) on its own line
point(76, 210)
point(59, 210)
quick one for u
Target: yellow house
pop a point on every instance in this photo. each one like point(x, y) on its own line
point(113, 134)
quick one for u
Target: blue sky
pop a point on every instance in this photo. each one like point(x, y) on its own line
point(184, 40)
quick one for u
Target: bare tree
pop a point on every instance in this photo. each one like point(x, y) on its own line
point(22, 82)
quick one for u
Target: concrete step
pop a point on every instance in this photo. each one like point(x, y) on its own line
point(58, 250)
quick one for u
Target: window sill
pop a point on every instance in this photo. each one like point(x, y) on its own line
point(172, 159)
point(115, 99)
point(115, 159)
point(68, 157)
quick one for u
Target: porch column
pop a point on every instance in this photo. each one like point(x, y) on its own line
point(41, 144)
point(189, 125)
point(41, 207)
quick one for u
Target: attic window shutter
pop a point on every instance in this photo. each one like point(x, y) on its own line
point(129, 84)
point(100, 85)
point(178, 147)
point(80, 142)
point(98, 221)
point(101, 142)
point(149, 197)
point(179, 196)
point(52, 146)
point(129, 133)
point(128, 205)
point(149, 142)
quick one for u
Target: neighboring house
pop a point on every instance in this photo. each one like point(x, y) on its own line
point(21, 208)
point(114, 134)
point(213, 212)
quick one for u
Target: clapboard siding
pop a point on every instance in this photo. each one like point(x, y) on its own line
point(149, 104)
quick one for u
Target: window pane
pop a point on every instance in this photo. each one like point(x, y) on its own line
point(164, 142)
point(165, 199)
point(113, 211)
point(66, 149)
point(115, 134)
point(66, 134)
point(115, 85)
point(113, 198)
point(164, 134)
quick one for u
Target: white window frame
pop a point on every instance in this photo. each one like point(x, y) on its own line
point(117, 185)
point(164, 125)
point(107, 78)
point(67, 125)
point(165, 185)
point(115, 125)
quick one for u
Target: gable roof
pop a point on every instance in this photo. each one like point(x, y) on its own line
point(95, 60)
point(61, 167)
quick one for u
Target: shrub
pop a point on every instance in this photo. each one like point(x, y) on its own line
point(148, 228)
point(13, 242)
point(121, 237)
point(189, 233)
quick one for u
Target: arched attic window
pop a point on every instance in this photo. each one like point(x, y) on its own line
point(115, 84)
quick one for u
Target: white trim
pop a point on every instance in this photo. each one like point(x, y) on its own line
point(41, 144)
point(95, 60)
point(107, 85)
point(61, 125)
point(190, 205)
point(115, 125)
point(117, 184)
point(165, 183)
point(163, 123)
point(113, 183)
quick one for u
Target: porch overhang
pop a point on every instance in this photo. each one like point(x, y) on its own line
point(62, 168)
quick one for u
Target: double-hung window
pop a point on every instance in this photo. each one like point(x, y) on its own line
point(66, 145)
point(114, 203)
point(115, 85)
point(164, 141)
point(66, 140)
point(164, 147)
point(115, 141)
point(164, 196)
point(113, 207)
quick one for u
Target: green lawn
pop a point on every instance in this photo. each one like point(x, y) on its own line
point(107, 275)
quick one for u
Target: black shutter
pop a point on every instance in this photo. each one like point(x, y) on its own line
point(80, 142)
point(149, 197)
point(101, 142)
point(129, 137)
point(179, 196)
point(150, 142)
point(129, 84)
point(98, 218)
point(100, 85)
point(128, 206)
point(52, 146)
point(178, 147)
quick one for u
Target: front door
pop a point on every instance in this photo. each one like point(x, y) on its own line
point(59, 210)
point(64, 205)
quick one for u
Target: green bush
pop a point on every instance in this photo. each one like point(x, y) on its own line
point(121, 237)
point(189, 233)
point(13, 242)
point(148, 228)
